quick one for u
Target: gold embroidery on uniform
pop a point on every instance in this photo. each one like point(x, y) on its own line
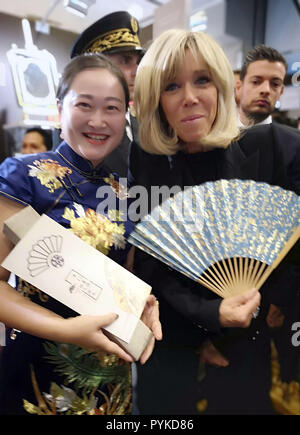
point(117, 38)
point(134, 25)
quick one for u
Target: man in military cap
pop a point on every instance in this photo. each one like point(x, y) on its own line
point(116, 36)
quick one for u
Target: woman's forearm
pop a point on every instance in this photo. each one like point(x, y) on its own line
point(85, 331)
point(19, 312)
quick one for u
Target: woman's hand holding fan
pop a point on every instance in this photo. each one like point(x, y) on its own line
point(237, 311)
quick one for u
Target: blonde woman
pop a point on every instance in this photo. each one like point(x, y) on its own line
point(188, 133)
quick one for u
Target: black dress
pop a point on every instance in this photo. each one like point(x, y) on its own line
point(173, 381)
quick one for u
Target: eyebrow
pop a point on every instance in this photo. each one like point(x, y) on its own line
point(194, 72)
point(272, 78)
point(91, 97)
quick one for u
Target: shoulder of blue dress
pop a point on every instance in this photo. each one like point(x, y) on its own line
point(26, 159)
point(63, 146)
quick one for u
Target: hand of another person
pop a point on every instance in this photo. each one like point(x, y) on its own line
point(85, 331)
point(275, 317)
point(150, 317)
point(209, 354)
point(237, 311)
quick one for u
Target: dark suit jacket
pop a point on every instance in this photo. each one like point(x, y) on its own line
point(169, 382)
point(268, 153)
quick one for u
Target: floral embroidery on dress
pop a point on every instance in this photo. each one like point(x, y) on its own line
point(50, 173)
point(28, 290)
point(65, 401)
point(88, 372)
point(66, 379)
point(120, 190)
point(95, 229)
point(116, 215)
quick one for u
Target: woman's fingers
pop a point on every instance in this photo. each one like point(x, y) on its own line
point(150, 316)
point(107, 319)
point(111, 347)
point(86, 331)
point(148, 351)
point(237, 310)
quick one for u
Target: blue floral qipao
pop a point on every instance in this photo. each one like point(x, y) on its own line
point(45, 377)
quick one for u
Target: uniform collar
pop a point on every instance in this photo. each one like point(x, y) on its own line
point(79, 164)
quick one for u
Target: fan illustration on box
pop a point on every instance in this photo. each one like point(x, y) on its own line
point(44, 254)
point(228, 235)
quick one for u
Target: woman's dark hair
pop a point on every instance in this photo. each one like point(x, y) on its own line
point(89, 61)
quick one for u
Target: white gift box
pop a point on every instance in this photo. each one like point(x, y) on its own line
point(59, 263)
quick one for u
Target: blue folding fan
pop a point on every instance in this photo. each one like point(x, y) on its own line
point(228, 235)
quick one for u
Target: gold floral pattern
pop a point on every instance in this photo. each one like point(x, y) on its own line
point(49, 172)
point(79, 382)
point(285, 396)
point(28, 290)
point(120, 190)
point(64, 401)
point(116, 215)
point(96, 230)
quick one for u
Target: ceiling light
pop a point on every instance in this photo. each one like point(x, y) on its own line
point(78, 7)
point(198, 21)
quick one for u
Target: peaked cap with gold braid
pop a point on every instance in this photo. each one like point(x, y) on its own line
point(113, 33)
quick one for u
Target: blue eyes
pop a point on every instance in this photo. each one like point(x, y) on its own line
point(171, 87)
point(200, 81)
point(203, 80)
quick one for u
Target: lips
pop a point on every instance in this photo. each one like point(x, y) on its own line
point(262, 103)
point(96, 139)
point(191, 118)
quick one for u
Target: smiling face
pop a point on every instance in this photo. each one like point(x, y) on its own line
point(92, 114)
point(261, 88)
point(189, 101)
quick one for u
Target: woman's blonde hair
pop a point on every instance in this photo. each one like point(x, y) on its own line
point(159, 66)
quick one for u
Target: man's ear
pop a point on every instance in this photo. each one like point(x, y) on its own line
point(237, 91)
point(238, 85)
